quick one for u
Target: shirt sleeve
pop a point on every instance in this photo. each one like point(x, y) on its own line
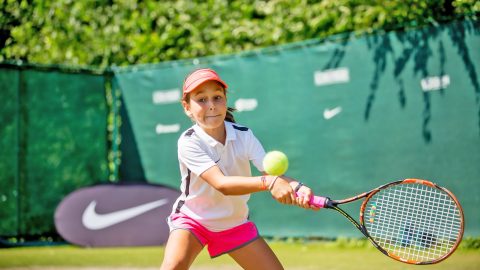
point(256, 151)
point(194, 156)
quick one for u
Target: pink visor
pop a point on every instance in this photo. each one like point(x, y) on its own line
point(198, 77)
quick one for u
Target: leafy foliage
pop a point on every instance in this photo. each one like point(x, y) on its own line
point(470, 243)
point(120, 32)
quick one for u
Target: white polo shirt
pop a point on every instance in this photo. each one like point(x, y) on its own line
point(197, 152)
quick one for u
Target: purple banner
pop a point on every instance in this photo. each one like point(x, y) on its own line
point(116, 215)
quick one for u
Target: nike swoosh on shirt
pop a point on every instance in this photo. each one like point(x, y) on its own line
point(94, 221)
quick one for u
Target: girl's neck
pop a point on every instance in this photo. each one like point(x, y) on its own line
point(219, 134)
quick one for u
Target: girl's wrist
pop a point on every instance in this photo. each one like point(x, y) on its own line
point(263, 183)
point(272, 182)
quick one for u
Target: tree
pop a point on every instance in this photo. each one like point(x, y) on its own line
point(102, 33)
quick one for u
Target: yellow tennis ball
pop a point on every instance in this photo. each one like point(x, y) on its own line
point(275, 163)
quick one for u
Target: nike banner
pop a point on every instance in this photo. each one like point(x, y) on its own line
point(116, 215)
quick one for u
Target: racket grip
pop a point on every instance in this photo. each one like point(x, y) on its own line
point(317, 201)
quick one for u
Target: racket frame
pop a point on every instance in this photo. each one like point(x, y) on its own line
point(333, 204)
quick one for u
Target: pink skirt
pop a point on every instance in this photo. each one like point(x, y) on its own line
point(218, 243)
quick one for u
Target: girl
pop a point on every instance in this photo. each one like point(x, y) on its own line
point(214, 156)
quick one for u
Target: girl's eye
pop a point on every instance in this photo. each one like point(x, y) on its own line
point(218, 97)
point(202, 100)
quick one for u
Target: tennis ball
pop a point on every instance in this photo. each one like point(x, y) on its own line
point(275, 163)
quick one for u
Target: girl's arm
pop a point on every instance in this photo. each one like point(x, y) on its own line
point(234, 185)
point(282, 189)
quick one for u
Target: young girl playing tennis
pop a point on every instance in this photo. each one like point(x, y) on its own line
point(214, 156)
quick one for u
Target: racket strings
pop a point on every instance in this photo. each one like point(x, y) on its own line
point(414, 222)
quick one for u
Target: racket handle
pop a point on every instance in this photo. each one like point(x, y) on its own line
point(317, 201)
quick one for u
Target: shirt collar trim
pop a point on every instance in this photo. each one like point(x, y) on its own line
point(231, 135)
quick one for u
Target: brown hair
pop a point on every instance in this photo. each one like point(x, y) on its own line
point(229, 117)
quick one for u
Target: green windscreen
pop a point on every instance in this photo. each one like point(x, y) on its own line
point(54, 140)
point(9, 81)
point(351, 113)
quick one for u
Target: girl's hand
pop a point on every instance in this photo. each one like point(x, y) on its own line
point(283, 192)
point(305, 193)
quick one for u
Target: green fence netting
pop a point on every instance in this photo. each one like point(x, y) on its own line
point(350, 112)
point(54, 140)
point(9, 211)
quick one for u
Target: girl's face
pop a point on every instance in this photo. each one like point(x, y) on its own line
point(207, 105)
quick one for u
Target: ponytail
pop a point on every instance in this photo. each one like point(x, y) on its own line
point(229, 117)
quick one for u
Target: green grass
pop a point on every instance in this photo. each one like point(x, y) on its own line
point(294, 255)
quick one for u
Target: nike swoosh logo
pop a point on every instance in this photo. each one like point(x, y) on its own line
point(94, 221)
point(330, 113)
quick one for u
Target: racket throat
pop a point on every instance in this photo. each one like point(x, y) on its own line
point(330, 203)
point(333, 205)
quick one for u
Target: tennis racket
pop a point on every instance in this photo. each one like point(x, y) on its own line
point(413, 221)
